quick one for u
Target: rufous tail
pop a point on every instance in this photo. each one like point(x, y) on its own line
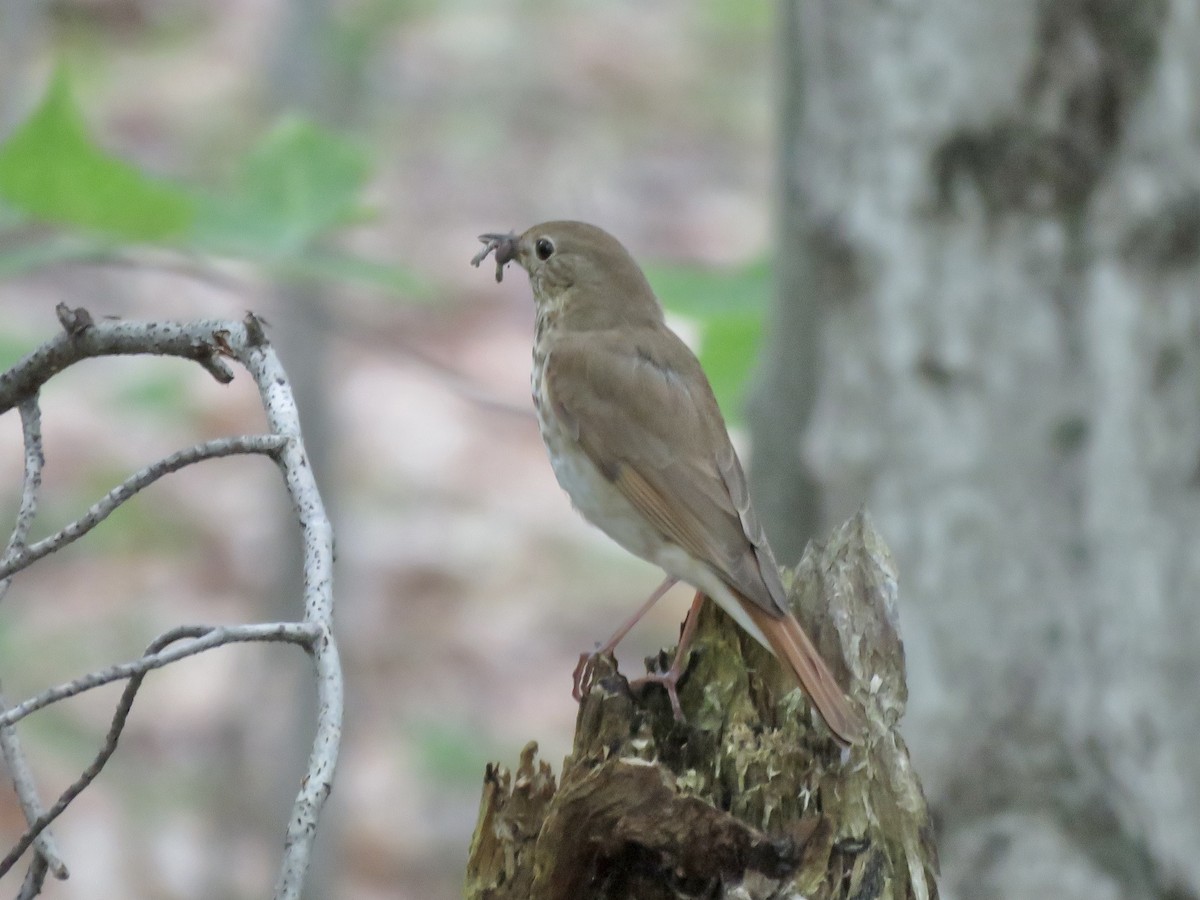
point(792, 646)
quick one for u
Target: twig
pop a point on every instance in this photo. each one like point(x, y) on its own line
point(21, 557)
point(35, 877)
point(125, 338)
point(31, 805)
point(155, 657)
point(205, 638)
point(120, 717)
point(210, 344)
point(47, 858)
point(35, 459)
point(284, 419)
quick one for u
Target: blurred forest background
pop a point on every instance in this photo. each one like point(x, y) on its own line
point(957, 244)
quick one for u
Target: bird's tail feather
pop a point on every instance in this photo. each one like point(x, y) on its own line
point(792, 646)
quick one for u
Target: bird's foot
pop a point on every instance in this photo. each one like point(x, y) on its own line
point(585, 670)
point(670, 681)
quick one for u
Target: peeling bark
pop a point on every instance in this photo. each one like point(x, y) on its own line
point(995, 210)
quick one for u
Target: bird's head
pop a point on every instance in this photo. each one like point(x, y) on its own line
point(578, 268)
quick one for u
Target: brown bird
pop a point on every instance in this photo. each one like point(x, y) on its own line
point(637, 440)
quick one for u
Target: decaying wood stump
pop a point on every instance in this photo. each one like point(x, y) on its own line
point(750, 798)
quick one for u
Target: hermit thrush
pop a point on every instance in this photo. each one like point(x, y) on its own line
point(637, 440)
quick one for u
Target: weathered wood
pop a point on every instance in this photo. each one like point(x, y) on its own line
point(986, 329)
point(750, 798)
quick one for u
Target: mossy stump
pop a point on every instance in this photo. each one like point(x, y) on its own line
point(750, 797)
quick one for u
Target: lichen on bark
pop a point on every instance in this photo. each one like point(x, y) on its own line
point(750, 797)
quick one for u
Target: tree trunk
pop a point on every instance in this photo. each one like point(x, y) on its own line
point(997, 207)
point(747, 798)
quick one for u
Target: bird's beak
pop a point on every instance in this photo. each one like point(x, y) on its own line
point(506, 247)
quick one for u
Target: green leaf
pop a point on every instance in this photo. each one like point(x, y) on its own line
point(698, 292)
point(52, 170)
point(300, 183)
point(296, 187)
point(728, 352)
point(451, 753)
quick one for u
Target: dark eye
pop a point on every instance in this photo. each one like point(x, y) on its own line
point(544, 248)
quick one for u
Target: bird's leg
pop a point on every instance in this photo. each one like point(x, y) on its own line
point(582, 675)
point(670, 678)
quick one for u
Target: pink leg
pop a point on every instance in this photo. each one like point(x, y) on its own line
point(670, 679)
point(582, 672)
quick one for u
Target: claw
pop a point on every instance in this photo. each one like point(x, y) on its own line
point(584, 670)
point(670, 681)
point(505, 246)
point(586, 667)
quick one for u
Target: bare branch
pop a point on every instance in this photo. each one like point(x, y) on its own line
point(35, 877)
point(26, 790)
point(284, 419)
point(202, 638)
point(15, 561)
point(205, 638)
point(120, 717)
point(186, 340)
point(210, 344)
point(35, 459)
point(47, 858)
point(318, 781)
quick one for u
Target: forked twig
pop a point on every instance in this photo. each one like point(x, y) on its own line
point(212, 345)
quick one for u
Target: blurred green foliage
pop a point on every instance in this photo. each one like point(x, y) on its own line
point(291, 194)
point(452, 753)
point(161, 391)
point(729, 308)
point(294, 190)
point(299, 183)
point(752, 16)
point(12, 349)
point(51, 169)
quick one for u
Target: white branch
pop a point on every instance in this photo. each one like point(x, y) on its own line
point(35, 460)
point(202, 638)
point(34, 878)
point(46, 858)
point(284, 419)
point(31, 805)
point(210, 344)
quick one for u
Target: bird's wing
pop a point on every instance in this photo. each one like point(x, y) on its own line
point(644, 413)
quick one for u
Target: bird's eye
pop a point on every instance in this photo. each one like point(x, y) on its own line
point(544, 248)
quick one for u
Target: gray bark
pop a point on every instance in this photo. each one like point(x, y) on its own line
point(997, 207)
